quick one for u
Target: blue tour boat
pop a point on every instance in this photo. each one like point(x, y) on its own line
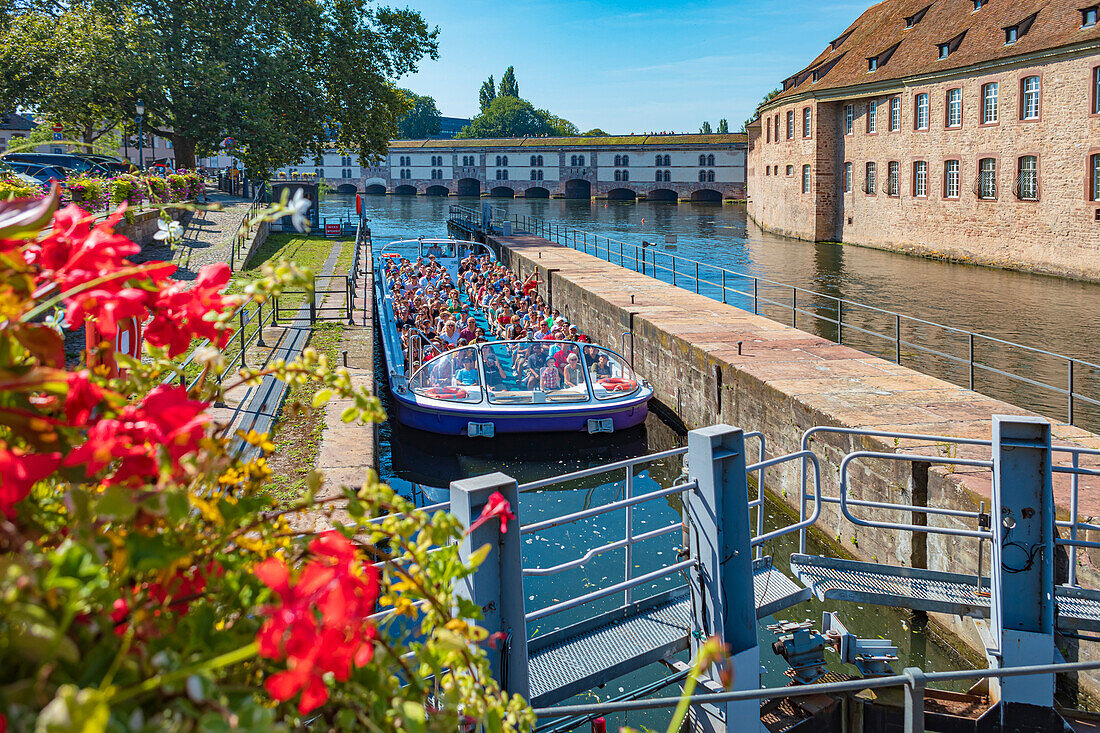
point(499, 386)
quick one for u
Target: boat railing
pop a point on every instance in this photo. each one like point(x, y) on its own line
point(975, 360)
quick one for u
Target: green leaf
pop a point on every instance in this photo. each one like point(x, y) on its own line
point(478, 556)
point(413, 714)
point(322, 396)
point(116, 502)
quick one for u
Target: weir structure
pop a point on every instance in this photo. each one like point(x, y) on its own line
point(712, 363)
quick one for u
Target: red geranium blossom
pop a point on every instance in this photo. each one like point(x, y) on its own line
point(497, 506)
point(19, 471)
point(320, 624)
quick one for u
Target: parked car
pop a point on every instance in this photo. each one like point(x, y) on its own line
point(110, 162)
point(39, 172)
point(70, 161)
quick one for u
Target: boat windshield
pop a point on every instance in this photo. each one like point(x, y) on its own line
point(453, 376)
point(533, 372)
point(611, 376)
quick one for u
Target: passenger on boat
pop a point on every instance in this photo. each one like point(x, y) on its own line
point(467, 375)
point(572, 373)
point(533, 365)
point(450, 333)
point(601, 369)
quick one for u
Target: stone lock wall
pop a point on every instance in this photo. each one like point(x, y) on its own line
point(786, 381)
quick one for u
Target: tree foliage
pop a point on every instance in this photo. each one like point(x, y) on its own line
point(515, 117)
point(509, 87)
point(595, 132)
point(488, 93)
point(284, 79)
point(767, 98)
point(706, 128)
point(723, 125)
point(422, 120)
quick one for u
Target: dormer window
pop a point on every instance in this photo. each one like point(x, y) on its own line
point(915, 18)
point(1089, 16)
point(839, 40)
point(1012, 34)
point(947, 48)
point(872, 63)
point(978, 4)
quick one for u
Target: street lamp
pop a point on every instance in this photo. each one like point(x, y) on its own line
point(140, 108)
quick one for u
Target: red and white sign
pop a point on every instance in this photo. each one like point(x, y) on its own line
point(332, 230)
point(58, 128)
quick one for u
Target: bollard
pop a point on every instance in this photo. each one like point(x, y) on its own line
point(345, 358)
point(260, 325)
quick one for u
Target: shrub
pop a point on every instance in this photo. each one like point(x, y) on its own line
point(14, 188)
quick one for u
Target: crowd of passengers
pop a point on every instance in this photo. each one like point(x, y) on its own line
point(548, 351)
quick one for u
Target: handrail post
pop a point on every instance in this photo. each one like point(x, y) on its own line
point(497, 586)
point(1022, 606)
point(350, 307)
point(673, 267)
point(244, 342)
point(756, 295)
point(313, 302)
point(719, 532)
point(794, 307)
point(971, 359)
point(628, 493)
point(260, 325)
point(1069, 395)
point(696, 276)
point(840, 323)
point(897, 338)
point(914, 700)
point(723, 286)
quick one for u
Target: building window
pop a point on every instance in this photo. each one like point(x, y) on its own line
point(920, 179)
point(626, 161)
point(1089, 16)
point(987, 178)
point(498, 160)
point(872, 117)
point(703, 176)
point(618, 160)
point(1029, 109)
point(580, 160)
point(1094, 188)
point(710, 159)
point(1012, 34)
point(573, 160)
point(978, 4)
point(702, 159)
point(533, 164)
point(1096, 91)
point(777, 127)
point(847, 178)
point(319, 172)
point(892, 178)
point(534, 175)
point(954, 107)
point(626, 174)
point(710, 176)
point(869, 180)
point(921, 117)
point(849, 118)
point(895, 114)
point(618, 175)
point(944, 50)
point(805, 122)
point(872, 64)
point(790, 124)
point(951, 179)
point(989, 103)
point(805, 179)
point(1027, 179)
point(790, 170)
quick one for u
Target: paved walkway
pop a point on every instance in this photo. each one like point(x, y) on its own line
point(207, 238)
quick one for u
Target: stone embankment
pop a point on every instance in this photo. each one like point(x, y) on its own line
point(711, 363)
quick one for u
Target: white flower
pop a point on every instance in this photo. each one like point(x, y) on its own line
point(298, 207)
point(168, 230)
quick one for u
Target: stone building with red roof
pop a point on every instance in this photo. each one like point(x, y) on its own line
point(968, 129)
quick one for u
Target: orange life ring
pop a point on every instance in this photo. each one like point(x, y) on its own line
point(616, 384)
point(446, 393)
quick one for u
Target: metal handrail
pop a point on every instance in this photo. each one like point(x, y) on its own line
point(604, 509)
point(610, 590)
point(578, 238)
point(606, 468)
point(616, 545)
point(913, 679)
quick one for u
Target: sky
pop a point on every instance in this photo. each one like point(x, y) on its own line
point(641, 66)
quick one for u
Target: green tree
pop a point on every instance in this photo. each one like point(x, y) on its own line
point(509, 87)
point(423, 120)
point(706, 128)
point(284, 79)
point(488, 93)
point(595, 132)
point(514, 117)
point(723, 125)
point(767, 98)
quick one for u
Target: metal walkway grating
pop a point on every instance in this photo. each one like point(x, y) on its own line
point(577, 658)
point(926, 590)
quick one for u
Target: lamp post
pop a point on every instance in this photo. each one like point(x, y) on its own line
point(140, 108)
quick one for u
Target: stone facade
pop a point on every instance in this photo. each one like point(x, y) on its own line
point(1048, 221)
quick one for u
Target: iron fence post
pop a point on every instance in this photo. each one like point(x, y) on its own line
point(1069, 417)
point(497, 586)
point(621, 259)
point(971, 359)
point(897, 338)
point(723, 286)
point(794, 307)
point(756, 296)
point(628, 493)
point(697, 276)
point(1073, 515)
point(260, 325)
point(673, 267)
point(350, 305)
point(244, 321)
point(313, 301)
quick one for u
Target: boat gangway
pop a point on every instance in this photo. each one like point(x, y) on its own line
point(718, 582)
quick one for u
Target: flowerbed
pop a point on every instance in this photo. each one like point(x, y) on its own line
point(150, 581)
point(98, 194)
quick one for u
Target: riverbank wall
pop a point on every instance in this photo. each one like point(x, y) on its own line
point(714, 363)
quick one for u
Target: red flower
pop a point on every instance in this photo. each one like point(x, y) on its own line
point(19, 471)
point(84, 395)
point(497, 506)
point(179, 313)
point(107, 307)
point(166, 418)
point(320, 624)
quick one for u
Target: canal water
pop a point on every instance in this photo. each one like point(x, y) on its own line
point(1053, 314)
point(421, 465)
